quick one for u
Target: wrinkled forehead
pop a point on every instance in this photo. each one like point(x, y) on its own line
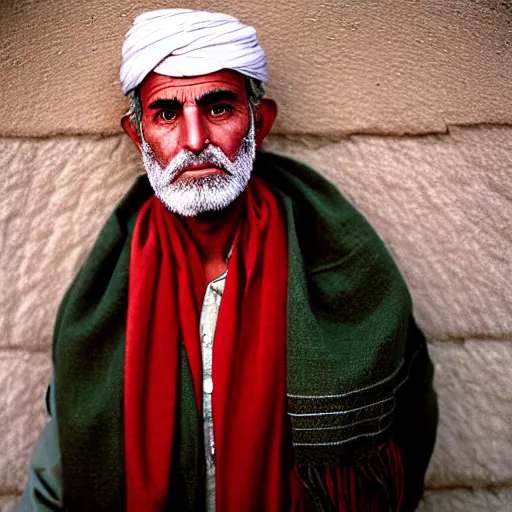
point(188, 89)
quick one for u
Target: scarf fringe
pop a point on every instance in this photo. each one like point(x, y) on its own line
point(376, 484)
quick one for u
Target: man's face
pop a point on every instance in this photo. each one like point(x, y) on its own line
point(197, 140)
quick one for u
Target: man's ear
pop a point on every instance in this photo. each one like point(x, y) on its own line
point(265, 117)
point(130, 130)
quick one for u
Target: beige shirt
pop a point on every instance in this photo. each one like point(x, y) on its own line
point(208, 323)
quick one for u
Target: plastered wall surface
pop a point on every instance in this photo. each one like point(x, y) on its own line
point(441, 201)
point(337, 66)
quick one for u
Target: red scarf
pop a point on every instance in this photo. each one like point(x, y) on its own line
point(166, 288)
point(254, 464)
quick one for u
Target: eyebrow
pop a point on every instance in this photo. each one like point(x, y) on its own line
point(208, 98)
point(212, 97)
point(173, 104)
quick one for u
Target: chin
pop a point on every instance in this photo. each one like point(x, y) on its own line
point(200, 195)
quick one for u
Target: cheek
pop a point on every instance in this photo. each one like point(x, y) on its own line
point(229, 139)
point(162, 142)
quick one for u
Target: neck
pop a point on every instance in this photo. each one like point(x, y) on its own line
point(213, 233)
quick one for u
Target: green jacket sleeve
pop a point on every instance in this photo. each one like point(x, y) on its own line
point(43, 491)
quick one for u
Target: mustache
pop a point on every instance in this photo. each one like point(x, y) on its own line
point(210, 155)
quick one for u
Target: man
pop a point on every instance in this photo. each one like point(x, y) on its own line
point(239, 338)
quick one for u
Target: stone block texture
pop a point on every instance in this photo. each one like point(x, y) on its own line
point(441, 202)
point(56, 195)
point(8, 503)
point(336, 67)
point(474, 443)
point(467, 500)
point(23, 380)
point(406, 106)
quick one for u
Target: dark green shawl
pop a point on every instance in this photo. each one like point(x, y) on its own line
point(358, 371)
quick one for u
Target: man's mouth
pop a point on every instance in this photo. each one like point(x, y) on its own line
point(197, 171)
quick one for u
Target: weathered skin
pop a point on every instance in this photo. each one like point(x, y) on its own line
point(193, 126)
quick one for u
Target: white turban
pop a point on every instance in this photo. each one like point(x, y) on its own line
point(184, 42)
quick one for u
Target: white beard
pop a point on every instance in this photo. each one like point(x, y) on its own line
point(190, 197)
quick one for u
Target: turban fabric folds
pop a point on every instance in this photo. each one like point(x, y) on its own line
point(185, 42)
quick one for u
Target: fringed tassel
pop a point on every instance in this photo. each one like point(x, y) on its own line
point(375, 485)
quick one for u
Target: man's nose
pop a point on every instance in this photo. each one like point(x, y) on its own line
point(196, 133)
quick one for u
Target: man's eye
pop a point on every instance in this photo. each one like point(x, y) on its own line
point(220, 110)
point(167, 115)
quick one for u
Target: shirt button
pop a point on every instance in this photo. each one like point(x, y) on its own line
point(208, 386)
